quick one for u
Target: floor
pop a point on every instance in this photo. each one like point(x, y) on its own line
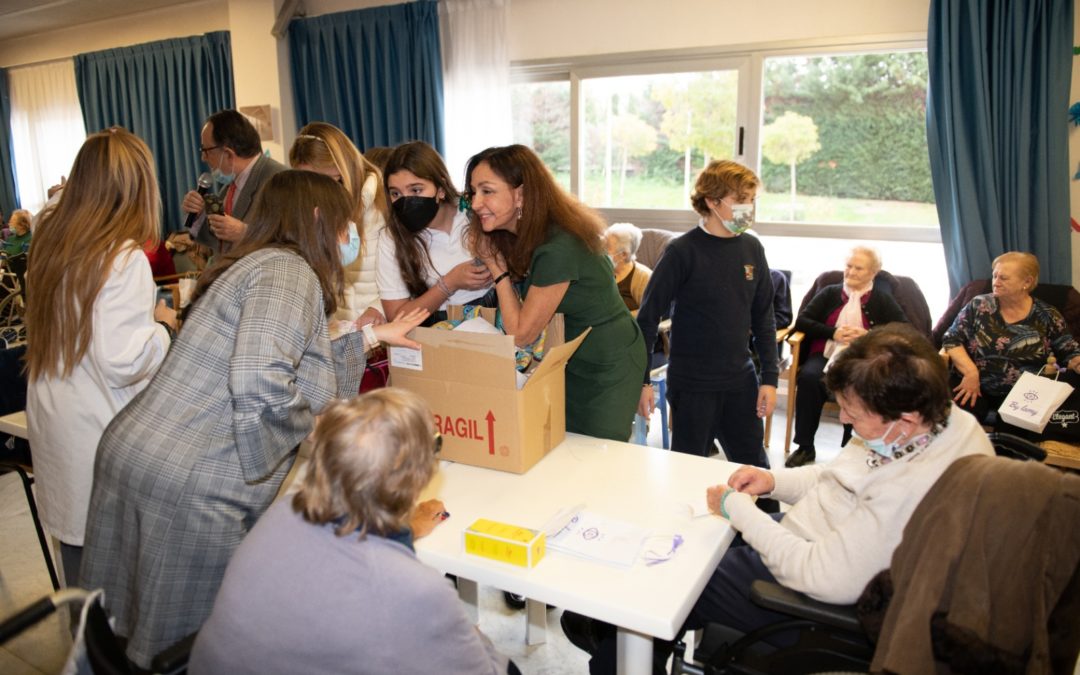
point(43, 648)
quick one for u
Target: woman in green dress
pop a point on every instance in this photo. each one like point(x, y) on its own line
point(527, 229)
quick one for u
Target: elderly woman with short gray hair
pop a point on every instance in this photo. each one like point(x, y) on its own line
point(623, 240)
point(837, 315)
point(334, 567)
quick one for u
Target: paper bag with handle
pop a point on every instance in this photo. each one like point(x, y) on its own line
point(1032, 400)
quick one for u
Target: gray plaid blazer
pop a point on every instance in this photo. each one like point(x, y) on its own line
point(185, 470)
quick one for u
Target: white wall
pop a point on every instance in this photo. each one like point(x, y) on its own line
point(194, 18)
point(539, 29)
point(544, 29)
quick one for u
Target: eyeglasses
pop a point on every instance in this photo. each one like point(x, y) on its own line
point(203, 151)
point(438, 443)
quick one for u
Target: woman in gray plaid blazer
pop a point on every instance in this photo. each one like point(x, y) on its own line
point(185, 470)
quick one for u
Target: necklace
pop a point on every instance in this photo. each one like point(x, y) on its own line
point(915, 446)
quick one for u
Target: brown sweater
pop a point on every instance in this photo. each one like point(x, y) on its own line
point(988, 574)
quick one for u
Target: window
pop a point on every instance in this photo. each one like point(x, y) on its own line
point(541, 121)
point(843, 140)
point(836, 133)
point(46, 127)
point(647, 136)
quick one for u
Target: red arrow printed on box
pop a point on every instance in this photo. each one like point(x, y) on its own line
point(490, 417)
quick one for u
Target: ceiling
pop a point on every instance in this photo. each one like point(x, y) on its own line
point(19, 18)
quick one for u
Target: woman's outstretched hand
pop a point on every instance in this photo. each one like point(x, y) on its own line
point(393, 333)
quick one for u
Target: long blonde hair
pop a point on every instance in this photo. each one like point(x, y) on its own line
point(111, 197)
point(324, 146)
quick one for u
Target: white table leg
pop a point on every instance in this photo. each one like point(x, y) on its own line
point(634, 656)
point(469, 592)
point(536, 626)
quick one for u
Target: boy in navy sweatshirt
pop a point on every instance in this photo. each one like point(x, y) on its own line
point(720, 284)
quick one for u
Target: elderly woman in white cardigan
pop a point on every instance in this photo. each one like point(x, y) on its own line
point(846, 517)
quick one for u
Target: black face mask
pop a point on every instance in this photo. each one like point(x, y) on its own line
point(416, 213)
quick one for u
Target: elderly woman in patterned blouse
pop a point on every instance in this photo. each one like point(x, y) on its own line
point(998, 336)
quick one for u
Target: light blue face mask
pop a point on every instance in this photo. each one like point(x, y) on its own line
point(879, 446)
point(350, 250)
point(221, 178)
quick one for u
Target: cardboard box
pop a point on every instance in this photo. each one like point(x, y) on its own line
point(470, 382)
point(505, 543)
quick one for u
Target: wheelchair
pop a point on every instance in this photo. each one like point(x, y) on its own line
point(819, 637)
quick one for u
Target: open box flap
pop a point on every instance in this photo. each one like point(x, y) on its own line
point(473, 358)
point(557, 357)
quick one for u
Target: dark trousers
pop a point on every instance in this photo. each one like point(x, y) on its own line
point(725, 600)
point(730, 416)
point(70, 560)
point(810, 399)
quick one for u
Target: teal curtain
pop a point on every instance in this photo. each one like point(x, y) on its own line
point(375, 73)
point(161, 91)
point(9, 191)
point(997, 125)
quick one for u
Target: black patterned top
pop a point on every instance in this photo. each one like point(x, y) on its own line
point(1003, 350)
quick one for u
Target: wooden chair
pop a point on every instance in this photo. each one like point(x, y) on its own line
point(782, 304)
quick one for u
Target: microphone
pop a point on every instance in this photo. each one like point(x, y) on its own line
point(206, 181)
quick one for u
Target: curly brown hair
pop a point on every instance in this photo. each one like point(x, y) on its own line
point(720, 179)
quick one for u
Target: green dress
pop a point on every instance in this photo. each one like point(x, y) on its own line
point(603, 378)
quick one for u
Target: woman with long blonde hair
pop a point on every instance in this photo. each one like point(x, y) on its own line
point(94, 336)
point(325, 149)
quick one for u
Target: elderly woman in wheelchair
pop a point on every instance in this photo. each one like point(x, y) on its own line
point(847, 516)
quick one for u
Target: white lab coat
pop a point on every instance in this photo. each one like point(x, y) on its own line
point(66, 416)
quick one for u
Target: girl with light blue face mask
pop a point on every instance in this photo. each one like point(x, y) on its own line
point(350, 249)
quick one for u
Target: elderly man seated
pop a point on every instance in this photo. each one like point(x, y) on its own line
point(847, 516)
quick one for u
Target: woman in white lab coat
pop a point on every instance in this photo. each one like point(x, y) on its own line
point(94, 334)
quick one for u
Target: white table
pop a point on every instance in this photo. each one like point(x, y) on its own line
point(647, 486)
point(14, 424)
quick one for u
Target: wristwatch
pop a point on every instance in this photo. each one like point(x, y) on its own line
point(369, 336)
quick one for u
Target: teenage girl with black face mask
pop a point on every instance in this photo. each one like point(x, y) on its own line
point(422, 258)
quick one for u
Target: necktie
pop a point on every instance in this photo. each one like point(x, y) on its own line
point(229, 198)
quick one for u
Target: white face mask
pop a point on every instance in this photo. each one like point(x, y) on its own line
point(742, 218)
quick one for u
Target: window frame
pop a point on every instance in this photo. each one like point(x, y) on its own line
point(749, 60)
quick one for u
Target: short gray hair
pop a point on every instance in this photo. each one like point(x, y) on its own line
point(875, 258)
point(627, 237)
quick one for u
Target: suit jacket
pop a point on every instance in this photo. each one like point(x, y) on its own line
point(261, 172)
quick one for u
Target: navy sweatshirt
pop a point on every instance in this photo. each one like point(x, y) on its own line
point(722, 292)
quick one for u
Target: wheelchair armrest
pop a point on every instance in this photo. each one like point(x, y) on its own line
point(786, 601)
point(1007, 445)
point(174, 658)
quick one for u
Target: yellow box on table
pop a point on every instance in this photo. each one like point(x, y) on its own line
point(470, 382)
point(506, 543)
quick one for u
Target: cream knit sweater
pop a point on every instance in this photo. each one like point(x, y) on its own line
point(846, 518)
